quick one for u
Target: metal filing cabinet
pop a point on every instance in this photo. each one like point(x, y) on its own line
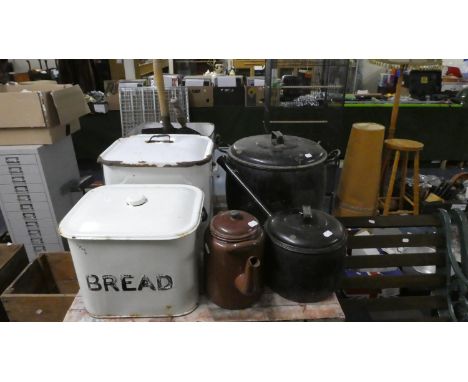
point(36, 183)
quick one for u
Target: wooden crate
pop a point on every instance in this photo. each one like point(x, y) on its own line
point(422, 297)
point(13, 259)
point(43, 291)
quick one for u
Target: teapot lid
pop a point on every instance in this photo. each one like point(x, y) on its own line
point(234, 226)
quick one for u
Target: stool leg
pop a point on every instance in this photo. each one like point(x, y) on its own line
point(383, 171)
point(416, 184)
point(388, 197)
point(404, 168)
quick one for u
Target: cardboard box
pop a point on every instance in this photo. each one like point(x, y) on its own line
point(99, 107)
point(200, 96)
point(229, 96)
point(113, 101)
point(37, 136)
point(39, 113)
point(254, 96)
point(38, 83)
point(111, 90)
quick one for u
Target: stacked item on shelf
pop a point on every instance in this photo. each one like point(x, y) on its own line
point(200, 90)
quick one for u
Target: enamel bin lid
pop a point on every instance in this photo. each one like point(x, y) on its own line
point(158, 150)
point(135, 212)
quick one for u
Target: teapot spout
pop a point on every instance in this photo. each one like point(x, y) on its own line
point(248, 282)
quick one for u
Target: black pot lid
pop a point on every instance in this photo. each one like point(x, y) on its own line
point(306, 230)
point(277, 151)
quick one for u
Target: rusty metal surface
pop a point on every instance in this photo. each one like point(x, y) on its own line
point(271, 307)
point(146, 164)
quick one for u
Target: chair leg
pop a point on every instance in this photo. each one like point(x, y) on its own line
point(388, 197)
point(383, 171)
point(404, 168)
point(416, 184)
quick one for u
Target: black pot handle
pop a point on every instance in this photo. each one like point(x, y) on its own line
point(204, 215)
point(277, 138)
point(150, 140)
point(222, 162)
point(307, 214)
point(333, 157)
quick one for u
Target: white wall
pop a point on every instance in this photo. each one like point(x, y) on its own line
point(129, 68)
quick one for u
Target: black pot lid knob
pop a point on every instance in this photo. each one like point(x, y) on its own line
point(277, 138)
point(306, 231)
point(307, 214)
point(235, 214)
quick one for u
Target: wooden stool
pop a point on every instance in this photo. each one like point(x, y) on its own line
point(402, 147)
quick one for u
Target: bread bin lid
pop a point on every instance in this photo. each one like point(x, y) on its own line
point(158, 150)
point(134, 212)
point(234, 226)
point(277, 151)
point(306, 231)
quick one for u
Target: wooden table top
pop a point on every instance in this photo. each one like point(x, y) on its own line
point(271, 307)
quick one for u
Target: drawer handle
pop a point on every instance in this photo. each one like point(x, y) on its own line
point(11, 160)
point(26, 206)
point(21, 189)
point(15, 170)
point(18, 179)
point(32, 224)
point(23, 198)
point(29, 215)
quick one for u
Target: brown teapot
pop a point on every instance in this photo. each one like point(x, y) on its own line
point(233, 259)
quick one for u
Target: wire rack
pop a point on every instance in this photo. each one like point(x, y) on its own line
point(140, 104)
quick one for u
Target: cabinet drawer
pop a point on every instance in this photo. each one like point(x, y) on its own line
point(19, 169)
point(34, 240)
point(35, 250)
point(30, 216)
point(44, 227)
point(24, 198)
point(26, 206)
point(12, 159)
point(21, 188)
point(20, 179)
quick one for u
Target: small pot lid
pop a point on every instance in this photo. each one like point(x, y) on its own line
point(134, 212)
point(306, 231)
point(277, 151)
point(234, 226)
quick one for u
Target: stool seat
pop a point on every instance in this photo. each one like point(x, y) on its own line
point(403, 144)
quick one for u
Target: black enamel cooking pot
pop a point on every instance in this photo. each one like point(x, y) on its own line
point(285, 171)
point(305, 248)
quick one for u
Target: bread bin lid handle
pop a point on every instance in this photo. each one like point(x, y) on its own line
point(136, 200)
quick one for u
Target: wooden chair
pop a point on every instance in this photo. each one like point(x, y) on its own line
point(402, 148)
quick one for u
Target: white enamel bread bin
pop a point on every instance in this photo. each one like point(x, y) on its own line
point(161, 159)
point(134, 249)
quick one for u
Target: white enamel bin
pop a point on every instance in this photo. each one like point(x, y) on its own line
point(134, 249)
point(161, 159)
